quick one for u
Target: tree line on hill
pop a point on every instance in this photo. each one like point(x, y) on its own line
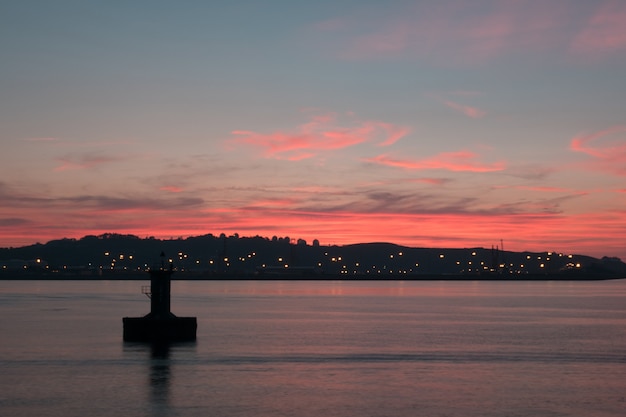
point(210, 255)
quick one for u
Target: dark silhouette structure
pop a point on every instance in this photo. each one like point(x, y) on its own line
point(115, 256)
point(160, 325)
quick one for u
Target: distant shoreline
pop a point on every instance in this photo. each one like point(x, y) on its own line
point(328, 277)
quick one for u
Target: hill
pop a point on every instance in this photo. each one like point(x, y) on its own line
point(111, 255)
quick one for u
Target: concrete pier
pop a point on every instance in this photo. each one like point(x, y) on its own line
point(160, 325)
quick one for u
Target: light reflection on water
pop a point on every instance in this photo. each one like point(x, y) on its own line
point(319, 348)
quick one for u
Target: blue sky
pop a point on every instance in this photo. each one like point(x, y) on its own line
point(424, 123)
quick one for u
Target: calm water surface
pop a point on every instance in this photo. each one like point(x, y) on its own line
point(276, 348)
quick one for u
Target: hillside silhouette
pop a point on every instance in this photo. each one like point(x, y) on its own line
point(111, 254)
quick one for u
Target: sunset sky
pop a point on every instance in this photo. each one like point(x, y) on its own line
point(442, 123)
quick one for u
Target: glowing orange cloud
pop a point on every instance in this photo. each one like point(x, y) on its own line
point(321, 133)
point(451, 161)
point(608, 156)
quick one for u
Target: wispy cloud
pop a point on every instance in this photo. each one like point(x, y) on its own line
point(86, 161)
point(451, 161)
point(79, 143)
point(605, 31)
point(273, 203)
point(42, 139)
point(320, 133)
point(543, 188)
point(105, 203)
point(469, 111)
point(102, 203)
point(531, 171)
point(448, 30)
point(316, 189)
point(171, 189)
point(433, 181)
point(455, 32)
point(11, 196)
point(582, 143)
point(13, 221)
point(606, 147)
point(393, 133)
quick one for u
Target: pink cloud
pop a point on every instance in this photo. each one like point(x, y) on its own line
point(581, 143)
point(321, 133)
point(605, 31)
point(609, 156)
point(451, 161)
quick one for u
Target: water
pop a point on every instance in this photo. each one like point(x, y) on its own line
point(318, 349)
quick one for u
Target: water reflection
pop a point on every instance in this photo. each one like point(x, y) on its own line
point(160, 380)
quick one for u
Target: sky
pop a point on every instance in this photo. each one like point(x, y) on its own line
point(426, 123)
